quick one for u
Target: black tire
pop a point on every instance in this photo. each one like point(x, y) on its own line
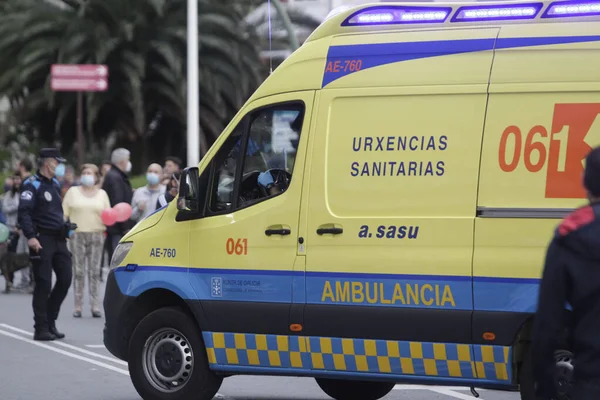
point(526, 382)
point(340, 389)
point(563, 376)
point(180, 349)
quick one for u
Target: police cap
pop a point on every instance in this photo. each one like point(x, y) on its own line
point(51, 152)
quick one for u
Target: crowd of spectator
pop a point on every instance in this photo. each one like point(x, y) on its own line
point(86, 193)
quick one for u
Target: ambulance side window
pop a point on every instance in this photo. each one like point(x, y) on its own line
point(224, 174)
point(272, 144)
point(266, 140)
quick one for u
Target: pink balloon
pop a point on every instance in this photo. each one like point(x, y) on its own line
point(109, 217)
point(123, 211)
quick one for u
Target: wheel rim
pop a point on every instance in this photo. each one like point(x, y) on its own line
point(167, 360)
point(563, 373)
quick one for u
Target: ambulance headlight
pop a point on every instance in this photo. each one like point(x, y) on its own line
point(120, 253)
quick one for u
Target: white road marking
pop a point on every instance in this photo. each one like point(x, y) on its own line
point(65, 353)
point(70, 347)
point(430, 387)
point(445, 390)
point(95, 346)
point(456, 395)
point(73, 355)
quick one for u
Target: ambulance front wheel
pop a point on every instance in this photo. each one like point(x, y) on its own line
point(167, 358)
point(354, 390)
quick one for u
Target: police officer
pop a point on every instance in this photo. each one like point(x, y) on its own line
point(572, 275)
point(42, 222)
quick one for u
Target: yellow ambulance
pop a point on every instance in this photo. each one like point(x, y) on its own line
point(377, 212)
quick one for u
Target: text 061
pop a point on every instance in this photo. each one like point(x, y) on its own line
point(238, 247)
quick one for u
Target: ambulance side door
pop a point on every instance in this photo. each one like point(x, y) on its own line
point(392, 200)
point(243, 250)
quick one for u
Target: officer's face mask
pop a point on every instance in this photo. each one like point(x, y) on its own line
point(59, 171)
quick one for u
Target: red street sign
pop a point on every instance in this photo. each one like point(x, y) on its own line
point(79, 77)
point(75, 84)
point(79, 71)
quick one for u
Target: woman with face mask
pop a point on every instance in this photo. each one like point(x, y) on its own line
point(145, 198)
point(83, 205)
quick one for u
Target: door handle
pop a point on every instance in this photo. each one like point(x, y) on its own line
point(329, 229)
point(278, 230)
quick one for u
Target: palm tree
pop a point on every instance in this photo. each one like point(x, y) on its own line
point(144, 45)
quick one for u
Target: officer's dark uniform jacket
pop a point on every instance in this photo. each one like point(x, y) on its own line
point(40, 207)
point(571, 275)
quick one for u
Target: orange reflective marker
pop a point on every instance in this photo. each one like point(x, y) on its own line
point(295, 327)
point(489, 336)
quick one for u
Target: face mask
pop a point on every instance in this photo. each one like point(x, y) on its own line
point(59, 171)
point(152, 178)
point(87, 180)
point(129, 166)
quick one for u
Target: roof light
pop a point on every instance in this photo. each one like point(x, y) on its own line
point(381, 15)
point(572, 9)
point(497, 12)
point(336, 11)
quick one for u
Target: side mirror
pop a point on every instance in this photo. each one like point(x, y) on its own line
point(188, 200)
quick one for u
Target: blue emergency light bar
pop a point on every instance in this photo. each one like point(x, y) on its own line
point(382, 15)
point(391, 15)
point(497, 13)
point(572, 9)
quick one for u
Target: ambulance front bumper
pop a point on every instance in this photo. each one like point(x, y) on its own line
point(116, 332)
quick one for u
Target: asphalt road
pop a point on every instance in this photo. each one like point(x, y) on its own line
point(79, 367)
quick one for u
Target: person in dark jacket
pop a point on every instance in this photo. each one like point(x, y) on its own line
point(572, 276)
point(116, 184)
point(42, 221)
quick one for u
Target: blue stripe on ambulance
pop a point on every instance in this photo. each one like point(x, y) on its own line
point(357, 289)
point(373, 55)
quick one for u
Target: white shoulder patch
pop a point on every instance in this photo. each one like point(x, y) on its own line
point(26, 195)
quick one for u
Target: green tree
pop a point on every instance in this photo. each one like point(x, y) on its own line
point(144, 45)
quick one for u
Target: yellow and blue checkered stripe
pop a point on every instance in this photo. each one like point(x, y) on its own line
point(444, 360)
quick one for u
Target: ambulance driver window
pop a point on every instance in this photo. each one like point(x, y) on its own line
point(271, 153)
point(224, 173)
